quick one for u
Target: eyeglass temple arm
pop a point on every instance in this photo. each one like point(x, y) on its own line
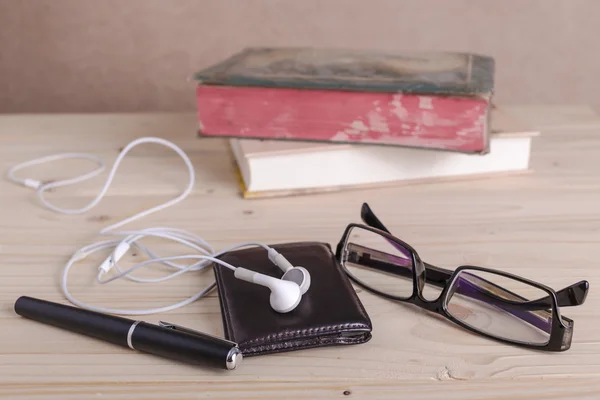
point(436, 275)
point(369, 218)
point(572, 295)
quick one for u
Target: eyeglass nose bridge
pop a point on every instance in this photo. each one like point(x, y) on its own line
point(420, 278)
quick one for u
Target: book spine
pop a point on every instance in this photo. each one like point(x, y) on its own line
point(396, 119)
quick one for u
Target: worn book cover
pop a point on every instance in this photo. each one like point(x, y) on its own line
point(434, 100)
point(414, 72)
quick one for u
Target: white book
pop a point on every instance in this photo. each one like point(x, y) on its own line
point(279, 168)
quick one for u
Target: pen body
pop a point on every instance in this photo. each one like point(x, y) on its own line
point(106, 327)
point(158, 340)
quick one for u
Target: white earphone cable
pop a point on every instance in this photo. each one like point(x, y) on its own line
point(130, 238)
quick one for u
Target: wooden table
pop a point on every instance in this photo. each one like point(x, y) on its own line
point(545, 226)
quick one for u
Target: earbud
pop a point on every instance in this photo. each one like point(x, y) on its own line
point(285, 295)
point(298, 275)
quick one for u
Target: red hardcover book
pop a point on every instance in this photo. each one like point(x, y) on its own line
point(423, 100)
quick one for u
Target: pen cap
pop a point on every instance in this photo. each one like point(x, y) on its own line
point(192, 348)
point(102, 326)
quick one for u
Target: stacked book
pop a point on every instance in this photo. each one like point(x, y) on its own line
point(306, 120)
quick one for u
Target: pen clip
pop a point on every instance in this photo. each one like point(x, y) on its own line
point(194, 332)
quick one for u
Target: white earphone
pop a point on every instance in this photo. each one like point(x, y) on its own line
point(285, 295)
point(286, 292)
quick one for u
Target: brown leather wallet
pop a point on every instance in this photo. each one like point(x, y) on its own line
point(330, 312)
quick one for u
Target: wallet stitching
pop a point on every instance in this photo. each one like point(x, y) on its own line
point(269, 348)
point(308, 331)
point(308, 343)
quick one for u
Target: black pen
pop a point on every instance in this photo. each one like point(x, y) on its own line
point(166, 340)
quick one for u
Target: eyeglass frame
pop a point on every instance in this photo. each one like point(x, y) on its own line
point(561, 332)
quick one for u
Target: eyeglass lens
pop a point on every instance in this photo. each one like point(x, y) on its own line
point(378, 263)
point(501, 306)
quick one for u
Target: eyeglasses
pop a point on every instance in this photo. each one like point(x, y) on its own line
point(495, 304)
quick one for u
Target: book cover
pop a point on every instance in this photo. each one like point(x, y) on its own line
point(321, 68)
point(427, 100)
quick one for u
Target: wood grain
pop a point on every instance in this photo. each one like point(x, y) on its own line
point(544, 225)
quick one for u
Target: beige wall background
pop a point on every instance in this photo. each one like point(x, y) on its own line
point(132, 55)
